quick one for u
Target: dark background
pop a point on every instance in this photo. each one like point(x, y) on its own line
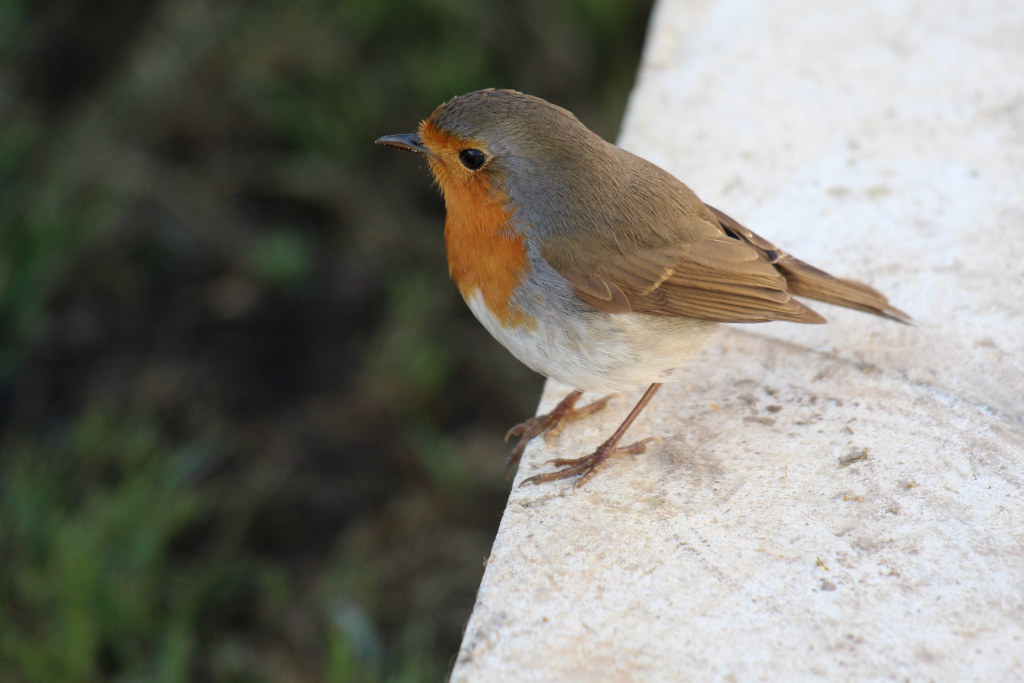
point(248, 429)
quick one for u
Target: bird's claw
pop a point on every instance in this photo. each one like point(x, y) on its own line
point(587, 466)
point(550, 424)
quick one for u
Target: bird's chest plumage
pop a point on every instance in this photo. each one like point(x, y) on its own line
point(486, 255)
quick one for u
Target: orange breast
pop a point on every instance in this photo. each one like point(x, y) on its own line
point(484, 253)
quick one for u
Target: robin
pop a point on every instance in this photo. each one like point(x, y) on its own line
point(594, 266)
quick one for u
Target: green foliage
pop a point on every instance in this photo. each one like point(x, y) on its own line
point(97, 581)
point(281, 257)
point(86, 525)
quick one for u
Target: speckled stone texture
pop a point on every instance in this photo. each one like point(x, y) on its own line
point(839, 502)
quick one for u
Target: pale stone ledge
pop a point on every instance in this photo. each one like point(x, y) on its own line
point(840, 502)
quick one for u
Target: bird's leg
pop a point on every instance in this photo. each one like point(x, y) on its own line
point(587, 466)
point(552, 423)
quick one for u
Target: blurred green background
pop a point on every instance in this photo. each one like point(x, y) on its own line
point(248, 429)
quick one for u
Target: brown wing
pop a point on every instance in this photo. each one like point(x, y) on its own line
point(722, 272)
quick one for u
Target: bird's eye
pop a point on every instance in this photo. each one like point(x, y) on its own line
point(472, 158)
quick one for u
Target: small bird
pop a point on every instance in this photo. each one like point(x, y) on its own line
point(594, 266)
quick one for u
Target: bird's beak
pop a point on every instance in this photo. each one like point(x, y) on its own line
point(410, 142)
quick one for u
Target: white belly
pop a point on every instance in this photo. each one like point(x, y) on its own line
point(594, 351)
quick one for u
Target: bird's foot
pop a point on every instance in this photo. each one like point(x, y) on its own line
point(587, 466)
point(550, 424)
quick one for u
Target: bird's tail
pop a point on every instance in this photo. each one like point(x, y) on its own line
point(805, 280)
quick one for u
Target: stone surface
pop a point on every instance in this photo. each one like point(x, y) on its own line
point(839, 502)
